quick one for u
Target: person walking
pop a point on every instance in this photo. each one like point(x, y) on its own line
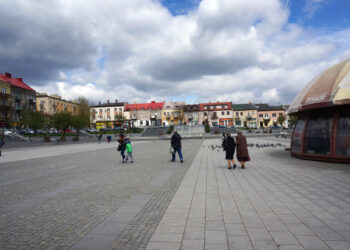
point(242, 149)
point(229, 146)
point(99, 137)
point(176, 145)
point(128, 150)
point(121, 146)
point(109, 138)
point(2, 142)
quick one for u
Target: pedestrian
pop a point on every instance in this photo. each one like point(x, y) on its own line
point(229, 146)
point(109, 138)
point(121, 146)
point(2, 142)
point(128, 150)
point(242, 149)
point(99, 137)
point(176, 146)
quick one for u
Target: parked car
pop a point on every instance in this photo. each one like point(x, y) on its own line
point(7, 132)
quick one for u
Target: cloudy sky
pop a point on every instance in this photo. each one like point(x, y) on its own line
point(191, 50)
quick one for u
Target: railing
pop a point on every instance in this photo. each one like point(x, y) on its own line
point(4, 95)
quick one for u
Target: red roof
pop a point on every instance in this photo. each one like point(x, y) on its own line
point(152, 105)
point(17, 82)
point(218, 104)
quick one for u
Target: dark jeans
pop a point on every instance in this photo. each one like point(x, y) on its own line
point(122, 152)
point(178, 150)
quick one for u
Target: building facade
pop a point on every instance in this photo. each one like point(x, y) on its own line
point(5, 103)
point(191, 114)
point(53, 104)
point(268, 115)
point(144, 114)
point(217, 113)
point(245, 115)
point(22, 97)
point(107, 115)
point(172, 113)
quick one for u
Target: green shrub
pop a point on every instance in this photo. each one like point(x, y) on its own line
point(170, 130)
point(207, 128)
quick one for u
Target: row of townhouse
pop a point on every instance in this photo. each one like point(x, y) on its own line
point(111, 115)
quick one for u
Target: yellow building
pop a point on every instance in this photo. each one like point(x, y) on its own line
point(245, 115)
point(53, 104)
point(172, 113)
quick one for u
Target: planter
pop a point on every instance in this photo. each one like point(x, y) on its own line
point(47, 139)
point(75, 138)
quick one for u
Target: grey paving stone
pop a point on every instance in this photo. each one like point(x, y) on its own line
point(215, 237)
point(191, 244)
point(194, 233)
point(338, 245)
point(256, 233)
point(284, 238)
point(163, 246)
point(215, 247)
point(291, 247)
point(164, 237)
point(312, 242)
point(235, 229)
point(326, 233)
point(239, 242)
point(264, 245)
point(300, 230)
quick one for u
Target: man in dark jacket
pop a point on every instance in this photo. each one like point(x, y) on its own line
point(176, 145)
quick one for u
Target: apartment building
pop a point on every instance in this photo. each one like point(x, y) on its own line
point(52, 104)
point(144, 114)
point(268, 115)
point(107, 115)
point(217, 113)
point(172, 113)
point(245, 115)
point(22, 97)
point(191, 114)
point(5, 103)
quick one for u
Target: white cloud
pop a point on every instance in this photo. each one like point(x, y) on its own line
point(226, 49)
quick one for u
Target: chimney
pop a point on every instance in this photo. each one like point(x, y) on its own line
point(20, 79)
point(8, 75)
point(107, 101)
point(153, 101)
point(99, 102)
point(116, 100)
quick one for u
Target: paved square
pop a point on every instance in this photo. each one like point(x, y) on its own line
point(83, 197)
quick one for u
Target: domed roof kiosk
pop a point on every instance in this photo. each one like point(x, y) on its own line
point(322, 131)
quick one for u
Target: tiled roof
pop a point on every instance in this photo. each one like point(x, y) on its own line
point(191, 107)
point(229, 105)
point(266, 107)
point(17, 82)
point(245, 106)
point(152, 105)
point(111, 104)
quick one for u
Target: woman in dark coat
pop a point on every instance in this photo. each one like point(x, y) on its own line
point(229, 146)
point(242, 149)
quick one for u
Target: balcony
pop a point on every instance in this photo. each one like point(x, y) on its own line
point(213, 117)
point(4, 95)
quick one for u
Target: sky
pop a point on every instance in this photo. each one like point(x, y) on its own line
point(173, 50)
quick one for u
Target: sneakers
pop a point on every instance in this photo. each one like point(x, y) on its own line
point(229, 167)
point(242, 167)
point(182, 161)
point(234, 166)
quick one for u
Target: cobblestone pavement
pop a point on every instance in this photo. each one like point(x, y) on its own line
point(277, 202)
point(83, 197)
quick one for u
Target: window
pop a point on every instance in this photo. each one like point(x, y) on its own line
point(241, 113)
point(222, 106)
point(252, 112)
point(141, 122)
point(280, 114)
point(205, 114)
point(237, 114)
point(343, 134)
point(222, 113)
point(318, 134)
point(164, 113)
point(140, 114)
point(3, 90)
point(273, 114)
point(228, 112)
point(260, 115)
point(298, 134)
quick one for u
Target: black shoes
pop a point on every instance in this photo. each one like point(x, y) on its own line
point(234, 166)
point(229, 167)
point(182, 161)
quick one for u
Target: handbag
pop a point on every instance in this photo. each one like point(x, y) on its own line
point(171, 150)
point(119, 147)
